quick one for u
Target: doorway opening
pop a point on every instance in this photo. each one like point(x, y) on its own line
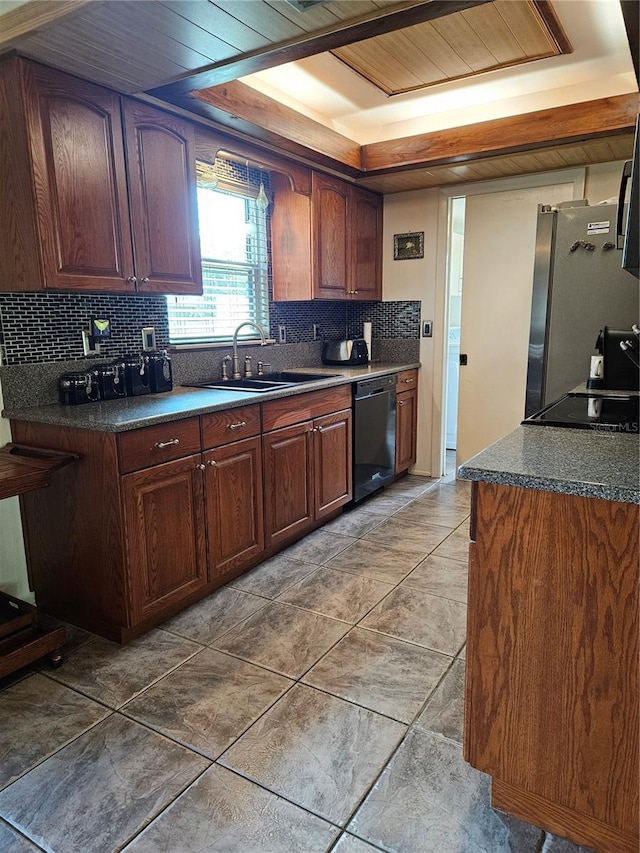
point(455, 252)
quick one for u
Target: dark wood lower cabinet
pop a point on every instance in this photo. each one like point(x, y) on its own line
point(233, 494)
point(551, 704)
point(165, 534)
point(288, 492)
point(406, 429)
point(332, 468)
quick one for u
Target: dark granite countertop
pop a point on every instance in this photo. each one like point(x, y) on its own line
point(590, 463)
point(183, 402)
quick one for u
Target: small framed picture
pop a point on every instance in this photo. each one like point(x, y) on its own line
point(407, 246)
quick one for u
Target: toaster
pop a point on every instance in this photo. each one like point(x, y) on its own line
point(345, 352)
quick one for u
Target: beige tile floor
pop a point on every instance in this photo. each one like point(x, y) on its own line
point(315, 704)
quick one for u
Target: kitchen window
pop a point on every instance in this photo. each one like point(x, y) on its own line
point(232, 210)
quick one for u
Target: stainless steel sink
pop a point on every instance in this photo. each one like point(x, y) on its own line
point(295, 376)
point(266, 382)
point(259, 385)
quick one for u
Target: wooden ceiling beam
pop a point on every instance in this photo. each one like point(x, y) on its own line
point(544, 128)
point(329, 38)
point(242, 108)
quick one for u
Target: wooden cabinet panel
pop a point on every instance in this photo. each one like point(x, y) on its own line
point(231, 425)
point(162, 191)
point(552, 660)
point(164, 524)
point(332, 470)
point(304, 407)
point(406, 379)
point(328, 246)
point(79, 193)
point(366, 244)
point(76, 179)
point(406, 429)
point(332, 255)
point(235, 530)
point(288, 483)
point(142, 448)
point(290, 241)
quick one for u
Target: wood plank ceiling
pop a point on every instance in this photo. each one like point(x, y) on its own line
point(459, 45)
point(189, 54)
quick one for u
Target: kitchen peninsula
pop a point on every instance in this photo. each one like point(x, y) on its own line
point(551, 695)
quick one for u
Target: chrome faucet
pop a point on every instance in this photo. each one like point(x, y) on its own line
point(263, 341)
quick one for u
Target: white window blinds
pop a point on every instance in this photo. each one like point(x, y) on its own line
point(235, 262)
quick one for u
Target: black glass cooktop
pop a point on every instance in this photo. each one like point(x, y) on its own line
point(584, 411)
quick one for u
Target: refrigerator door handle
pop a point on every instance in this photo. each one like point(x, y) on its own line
point(626, 174)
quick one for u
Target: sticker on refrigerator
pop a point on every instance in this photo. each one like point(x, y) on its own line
point(598, 227)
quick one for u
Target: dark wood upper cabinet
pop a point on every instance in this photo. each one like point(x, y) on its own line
point(330, 224)
point(162, 194)
point(74, 188)
point(366, 275)
point(327, 245)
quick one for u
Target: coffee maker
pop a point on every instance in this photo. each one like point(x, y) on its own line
point(617, 365)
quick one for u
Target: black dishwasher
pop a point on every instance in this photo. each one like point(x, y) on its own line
point(374, 435)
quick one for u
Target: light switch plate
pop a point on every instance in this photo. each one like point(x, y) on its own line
point(427, 329)
point(89, 345)
point(148, 338)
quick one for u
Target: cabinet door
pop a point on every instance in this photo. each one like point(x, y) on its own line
point(332, 266)
point(75, 135)
point(288, 482)
point(164, 522)
point(551, 698)
point(162, 190)
point(366, 243)
point(406, 429)
point(332, 469)
point(233, 494)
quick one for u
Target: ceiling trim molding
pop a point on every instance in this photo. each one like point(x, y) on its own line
point(553, 25)
point(320, 41)
point(540, 129)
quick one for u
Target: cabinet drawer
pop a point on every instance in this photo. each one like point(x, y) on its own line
point(406, 379)
point(304, 407)
point(142, 448)
point(231, 425)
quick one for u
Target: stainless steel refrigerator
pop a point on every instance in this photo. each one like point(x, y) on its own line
point(579, 287)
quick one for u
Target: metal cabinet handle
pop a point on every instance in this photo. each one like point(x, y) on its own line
point(408, 381)
point(200, 466)
point(162, 444)
point(144, 280)
point(211, 462)
point(237, 426)
point(402, 403)
point(132, 279)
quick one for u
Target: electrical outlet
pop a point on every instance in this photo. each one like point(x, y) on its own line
point(282, 334)
point(316, 331)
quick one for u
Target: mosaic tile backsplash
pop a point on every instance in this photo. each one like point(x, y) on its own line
point(44, 327)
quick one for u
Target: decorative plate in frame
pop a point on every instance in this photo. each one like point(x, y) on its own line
point(407, 246)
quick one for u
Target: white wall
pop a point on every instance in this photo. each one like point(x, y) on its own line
point(415, 279)
point(422, 210)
